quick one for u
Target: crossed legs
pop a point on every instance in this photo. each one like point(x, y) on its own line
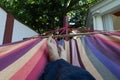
point(55, 52)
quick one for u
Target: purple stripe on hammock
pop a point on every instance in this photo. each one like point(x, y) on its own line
point(115, 69)
point(70, 51)
point(7, 44)
point(111, 33)
point(59, 42)
point(114, 34)
point(105, 49)
point(6, 61)
point(63, 43)
point(111, 45)
point(79, 58)
point(74, 54)
point(17, 49)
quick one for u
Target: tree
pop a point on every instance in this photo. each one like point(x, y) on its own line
point(45, 15)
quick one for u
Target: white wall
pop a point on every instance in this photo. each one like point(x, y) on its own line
point(108, 22)
point(98, 23)
point(101, 13)
point(3, 16)
point(21, 31)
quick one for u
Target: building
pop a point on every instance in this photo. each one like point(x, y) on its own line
point(104, 15)
point(12, 30)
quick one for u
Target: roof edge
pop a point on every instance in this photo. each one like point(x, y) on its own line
point(99, 5)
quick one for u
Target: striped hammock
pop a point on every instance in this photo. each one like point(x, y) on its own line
point(98, 53)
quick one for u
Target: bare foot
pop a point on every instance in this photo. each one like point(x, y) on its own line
point(53, 50)
point(62, 53)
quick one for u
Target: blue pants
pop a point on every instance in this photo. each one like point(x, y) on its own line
point(62, 70)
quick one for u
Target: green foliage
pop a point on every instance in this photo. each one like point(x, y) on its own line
point(44, 15)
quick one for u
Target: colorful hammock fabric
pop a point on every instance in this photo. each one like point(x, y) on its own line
point(23, 60)
point(98, 53)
